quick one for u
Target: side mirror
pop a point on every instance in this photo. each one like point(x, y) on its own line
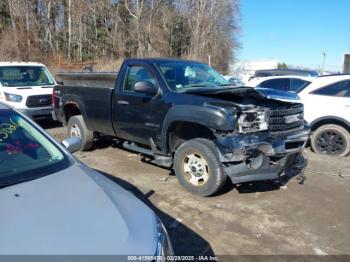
point(72, 144)
point(145, 87)
point(60, 83)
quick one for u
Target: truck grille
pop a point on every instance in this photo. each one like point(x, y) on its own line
point(39, 101)
point(287, 119)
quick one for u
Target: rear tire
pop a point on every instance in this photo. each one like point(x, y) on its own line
point(331, 140)
point(198, 168)
point(77, 127)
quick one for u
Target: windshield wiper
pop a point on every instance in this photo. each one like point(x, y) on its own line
point(2, 185)
point(17, 181)
point(210, 87)
point(198, 85)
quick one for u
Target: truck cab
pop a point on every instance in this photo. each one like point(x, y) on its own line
point(27, 86)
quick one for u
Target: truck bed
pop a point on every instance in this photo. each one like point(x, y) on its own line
point(89, 79)
point(93, 91)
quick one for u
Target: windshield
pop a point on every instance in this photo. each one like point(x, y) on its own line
point(182, 76)
point(11, 76)
point(25, 153)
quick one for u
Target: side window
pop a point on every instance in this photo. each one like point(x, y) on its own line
point(297, 85)
point(340, 89)
point(136, 73)
point(280, 84)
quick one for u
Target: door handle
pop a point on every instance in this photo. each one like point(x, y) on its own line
point(123, 102)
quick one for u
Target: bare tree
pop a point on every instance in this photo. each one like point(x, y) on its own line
point(13, 4)
point(137, 15)
point(91, 30)
point(69, 12)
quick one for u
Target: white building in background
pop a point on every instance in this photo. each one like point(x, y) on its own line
point(244, 69)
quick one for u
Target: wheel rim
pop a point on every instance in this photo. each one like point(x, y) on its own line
point(331, 142)
point(75, 131)
point(196, 169)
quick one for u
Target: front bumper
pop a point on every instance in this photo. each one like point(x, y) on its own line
point(262, 156)
point(39, 112)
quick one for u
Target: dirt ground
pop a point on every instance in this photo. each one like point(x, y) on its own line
point(258, 218)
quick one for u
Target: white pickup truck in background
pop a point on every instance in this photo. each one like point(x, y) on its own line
point(27, 87)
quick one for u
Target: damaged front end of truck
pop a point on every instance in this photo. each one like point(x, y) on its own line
point(269, 137)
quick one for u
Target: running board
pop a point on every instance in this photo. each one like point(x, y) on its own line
point(158, 159)
point(133, 147)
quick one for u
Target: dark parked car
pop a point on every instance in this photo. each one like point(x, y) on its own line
point(186, 115)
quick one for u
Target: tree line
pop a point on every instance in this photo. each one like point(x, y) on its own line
point(91, 30)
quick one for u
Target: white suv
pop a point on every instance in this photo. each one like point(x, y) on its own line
point(326, 101)
point(327, 109)
point(27, 87)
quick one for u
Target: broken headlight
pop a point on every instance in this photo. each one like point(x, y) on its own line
point(253, 121)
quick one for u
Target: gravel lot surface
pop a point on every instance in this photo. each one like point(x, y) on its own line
point(257, 218)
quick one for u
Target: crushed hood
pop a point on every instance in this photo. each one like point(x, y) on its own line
point(76, 211)
point(238, 94)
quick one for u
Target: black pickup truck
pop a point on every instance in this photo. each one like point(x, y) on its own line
point(186, 115)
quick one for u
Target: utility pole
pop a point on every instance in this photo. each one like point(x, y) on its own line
point(324, 54)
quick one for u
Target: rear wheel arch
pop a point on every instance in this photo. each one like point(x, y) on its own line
point(71, 109)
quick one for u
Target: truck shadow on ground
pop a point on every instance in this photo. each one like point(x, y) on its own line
point(105, 142)
point(258, 186)
point(185, 241)
point(268, 185)
point(48, 123)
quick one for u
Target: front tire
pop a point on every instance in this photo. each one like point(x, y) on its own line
point(77, 127)
point(331, 140)
point(198, 168)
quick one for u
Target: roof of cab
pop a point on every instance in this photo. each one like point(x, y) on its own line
point(17, 63)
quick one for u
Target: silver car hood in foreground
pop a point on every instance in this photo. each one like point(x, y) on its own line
point(75, 211)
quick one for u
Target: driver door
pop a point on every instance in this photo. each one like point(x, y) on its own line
point(138, 116)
